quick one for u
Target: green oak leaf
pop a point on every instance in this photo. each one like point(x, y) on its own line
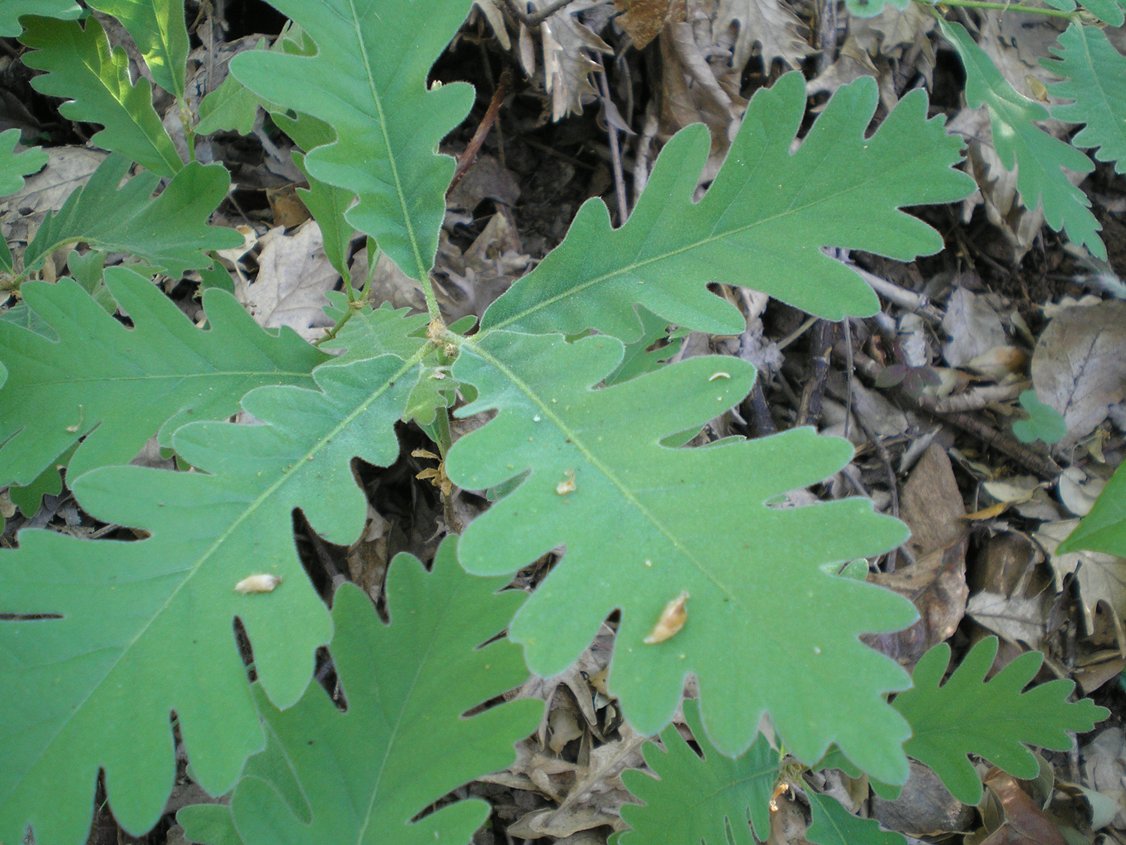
point(1038, 157)
point(834, 825)
point(157, 28)
point(769, 626)
point(169, 231)
point(101, 641)
point(993, 719)
point(387, 120)
point(81, 67)
point(703, 797)
point(763, 223)
point(1094, 77)
point(364, 775)
point(117, 387)
point(1104, 528)
point(14, 166)
point(12, 10)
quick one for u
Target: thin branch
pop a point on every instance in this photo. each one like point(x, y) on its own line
point(532, 19)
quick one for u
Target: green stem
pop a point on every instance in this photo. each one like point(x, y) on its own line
point(1006, 7)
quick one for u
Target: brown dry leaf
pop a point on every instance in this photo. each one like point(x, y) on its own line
point(851, 63)
point(924, 807)
point(931, 503)
point(293, 275)
point(567, 67)
point(1012, 592)
point(997, 186)
point(692, 94)
point(67, 170)
point(896, 33)
point(367, 559)
point(468, 282)
point(1024, 822)
point(1101, 577)
point(768, 24)
point(642, 20)
point(974, 326)
point(936, 585)
point(1078, 367)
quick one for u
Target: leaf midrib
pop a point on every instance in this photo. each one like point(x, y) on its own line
point(577, 290)
point(202, 559)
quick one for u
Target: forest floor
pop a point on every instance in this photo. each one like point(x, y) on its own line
point(927, 390)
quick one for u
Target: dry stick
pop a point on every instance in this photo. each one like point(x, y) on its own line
point(469, 154)
point(615, 150)
point(809, 411)
point(1042, 465)
point(536, 18)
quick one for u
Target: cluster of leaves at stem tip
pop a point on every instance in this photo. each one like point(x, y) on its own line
point(112, 651)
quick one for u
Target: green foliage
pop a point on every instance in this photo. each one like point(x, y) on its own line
point(116, 387)
point(114, 650)
point(1104, 528)
point(993, 719)
point(834, 825)
point(95, 79)
point(135, 630)
point(1044, 422)
point(170, 232)
point(363, 775)
point(14, 166)
point(780, 207)
point(701, 797)
point(12, 10)
point(1094, 76)
point(387, 122)
point(1039, 157)
point(759, 599)
point(157, 28)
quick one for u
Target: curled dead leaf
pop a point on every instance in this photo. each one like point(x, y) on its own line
point(672, 619)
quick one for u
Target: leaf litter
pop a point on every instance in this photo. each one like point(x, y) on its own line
point(1000, 571)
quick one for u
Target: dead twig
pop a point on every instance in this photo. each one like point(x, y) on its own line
point(531, 19)
point(821, 345)
point(1041, 465)
point(615, 149)
point(469, 154)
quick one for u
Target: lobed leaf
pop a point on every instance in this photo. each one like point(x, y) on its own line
point(364, 775)
point(834, 825)
point(12, 10)
point(768, 628)
point(764, 222)
point(1094, 75)
point(157, 28)
point(1104, 528)
point(102, 641)
point(704, 798)
point(993, 719)
point(169, 231)
point(1039, 157)
point(81, 67)
point(388, 123)
point(117, 387)
point(14, 166)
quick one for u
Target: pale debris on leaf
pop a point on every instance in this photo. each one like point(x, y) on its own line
point(293, 276)
point(1078, 367)
point(1101, 577)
